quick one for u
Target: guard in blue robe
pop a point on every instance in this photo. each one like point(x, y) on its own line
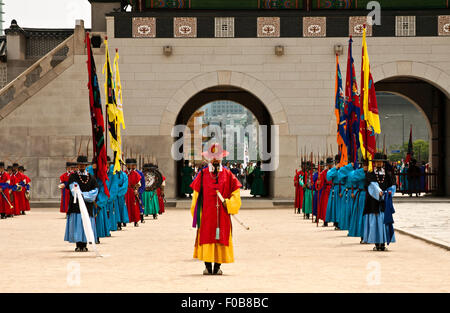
point(378, 210)
point(89, 188)
point(358, 179)
point(333, 212)
point(344, 195)
point(141, 191)
point(101, 213)
point(111, 205)
point(119, 202)
point(404, 179)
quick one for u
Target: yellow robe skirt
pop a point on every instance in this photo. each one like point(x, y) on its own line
point(216, 252)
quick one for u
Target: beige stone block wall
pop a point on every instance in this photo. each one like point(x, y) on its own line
point(297, 89)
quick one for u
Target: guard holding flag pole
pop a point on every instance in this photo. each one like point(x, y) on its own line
point(211, 215)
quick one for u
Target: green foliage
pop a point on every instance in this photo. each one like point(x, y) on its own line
point(420, 148)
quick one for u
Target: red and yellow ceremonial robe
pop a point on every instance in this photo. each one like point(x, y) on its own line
point(214, 214)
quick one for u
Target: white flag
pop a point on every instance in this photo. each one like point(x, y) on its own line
point(87, 226)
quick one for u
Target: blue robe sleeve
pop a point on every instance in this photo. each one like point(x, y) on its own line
point(90, 196)
point(344, 171)
point(331, 174)
point(123, 184)
point(374, 190)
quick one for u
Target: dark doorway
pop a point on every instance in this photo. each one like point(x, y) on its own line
point(227, 93)
point(433, 103)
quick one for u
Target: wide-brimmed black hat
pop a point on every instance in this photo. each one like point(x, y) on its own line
point(9, 167)
point(322, 163)
point(330, 161)
point(22, 168)
point(148, 165)
point(131, 161)
point(69, 164)
point(2, 164)
point(337, 158)
point(82, 159)
point(15, 165)
point(379, 157)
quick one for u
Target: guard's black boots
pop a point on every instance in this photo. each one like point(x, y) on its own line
point(208, 270)
point(217, 270)
point(142, 219)
point(136, 224)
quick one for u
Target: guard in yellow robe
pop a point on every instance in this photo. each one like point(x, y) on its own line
point(211, 216)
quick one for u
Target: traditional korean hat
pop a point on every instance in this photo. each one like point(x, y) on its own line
point(15, 165)
point(215, 151)
point(82, 159)
point(330, 161)
point(379, 157)
point(337, 158)
point(69, 164)
point(130, 161)
point(2, 164)
point(148, 165)
point(22, 168)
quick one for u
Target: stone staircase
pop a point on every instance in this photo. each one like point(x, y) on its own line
point(42, 72)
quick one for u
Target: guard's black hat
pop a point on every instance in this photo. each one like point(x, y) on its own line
point(22, 168)
point(329, 161)
point(337, 158)
point(148, 166)
point(322, 163)
point(15, 165)
point(131, 161)
point(2, 164)
point(69, 164)
point(82, 159)
point(9, 168)
point(379, 157)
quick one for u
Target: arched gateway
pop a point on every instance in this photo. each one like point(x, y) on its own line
point(230, 86)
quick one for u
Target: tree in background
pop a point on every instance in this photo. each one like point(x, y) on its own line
point(420, 148)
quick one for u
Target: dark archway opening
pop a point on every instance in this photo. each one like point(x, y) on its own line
point(226, 93)
point(433, 103)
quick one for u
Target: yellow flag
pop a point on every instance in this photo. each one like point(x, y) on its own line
point(112, 110)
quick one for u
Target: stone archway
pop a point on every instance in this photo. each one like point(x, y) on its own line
point(228, 79)
point(429, 73)
point(224, 78)
point(429, 88)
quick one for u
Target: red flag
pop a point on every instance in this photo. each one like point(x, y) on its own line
point(410, 153)
point(98, 126)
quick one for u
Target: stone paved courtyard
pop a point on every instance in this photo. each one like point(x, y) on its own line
point(430, 220)
point(280, 253)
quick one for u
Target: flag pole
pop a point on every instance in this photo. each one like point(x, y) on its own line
point(106, 110)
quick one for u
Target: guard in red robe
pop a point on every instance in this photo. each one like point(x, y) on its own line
point(25, 184)
point(211, 211)
point(65, 193)
point(298, 183)
point(160, 192)
point(132, 195)
point(325, 186)
point(5, 202)
point(18, 200)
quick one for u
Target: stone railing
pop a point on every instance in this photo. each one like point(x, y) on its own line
point(36, 77)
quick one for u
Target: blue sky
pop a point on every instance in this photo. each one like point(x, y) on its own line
point(46, 13)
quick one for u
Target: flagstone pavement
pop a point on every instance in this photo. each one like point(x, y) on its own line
point(429, 220)
point(281, 252)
